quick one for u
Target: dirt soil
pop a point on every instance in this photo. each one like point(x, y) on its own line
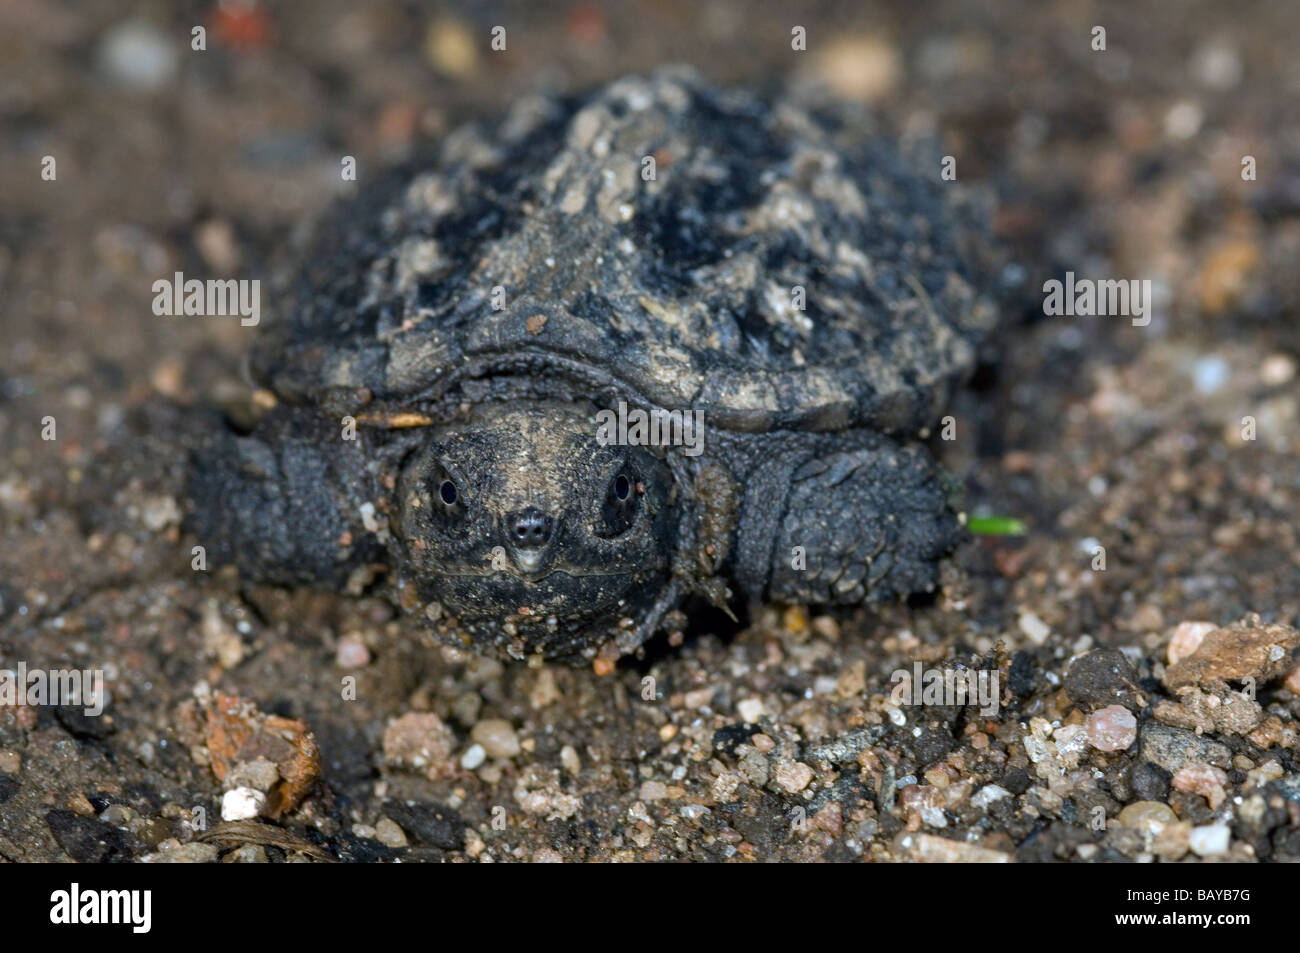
point(1156, 467)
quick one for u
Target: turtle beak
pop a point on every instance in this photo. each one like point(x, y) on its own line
point(528, 559)
point(528, 535)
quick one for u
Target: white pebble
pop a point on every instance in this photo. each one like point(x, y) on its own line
point(750, 710)
point(1034, 628)
point(1183, 120)
point(1217, 65)
point(569, 758)
point(473, 757)
point(988, 794)
point(138, 55)
point(1210, 840)
point(368, 518)
point(1277, 369)
point(242, 804)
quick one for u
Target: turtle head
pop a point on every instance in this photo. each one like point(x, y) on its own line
point(530, 532)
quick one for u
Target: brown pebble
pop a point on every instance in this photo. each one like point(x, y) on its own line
point(80, 804)
point(1203, 779)
point(420, 740)
point(1246, 649)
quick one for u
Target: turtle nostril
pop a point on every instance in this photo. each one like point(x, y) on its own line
point(532, 527)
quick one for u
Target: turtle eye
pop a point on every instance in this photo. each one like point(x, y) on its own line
point(448, 501)
point(618, 511)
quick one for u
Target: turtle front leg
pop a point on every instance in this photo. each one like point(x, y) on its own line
point(287, 504)
point(842, 519)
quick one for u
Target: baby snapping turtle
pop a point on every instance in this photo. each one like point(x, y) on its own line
point(614, 350)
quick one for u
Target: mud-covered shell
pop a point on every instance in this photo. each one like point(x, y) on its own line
point(770, 260)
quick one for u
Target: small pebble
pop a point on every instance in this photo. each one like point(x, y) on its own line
point(1174, 748)
point(1203, 779)
point(497, 736)
point(1249, 648)
point(1292, 681)
point(1101, 677)
point(754, 766)
point(191, 853)
point(387, 832)
point(698, 698)
point(988, 794)
point(352, 652)
point(1113, 728)
point(1151, 816)
point(80, 804)
point(117, 815)
point(219, 638)
point(1186, 639)
point(159, 512)
point(653, 791)
point(864, 67)
point(1033, 628)
point(1277, 369)
point(1217, 64)
point(419, 740)
point(259, 774)
point(1071, 742)
point(467, 707)
point(1210, 840)
point(1150, 782)
point(570, 760)
point(137, 55)
point(1182, 121)
point(451, 47)
point(473, 757)
point(929, 849)
point(793, 775)
point(216, 242)
point(247, 854)
point(242, 804)
point(545, 691)
point(828, 627)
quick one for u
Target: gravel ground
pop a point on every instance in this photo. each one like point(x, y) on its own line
point(1139, 633)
